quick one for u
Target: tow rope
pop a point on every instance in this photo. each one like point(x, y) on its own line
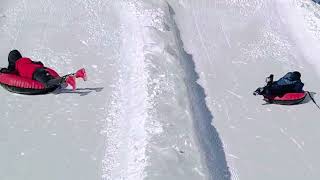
point(313, 100)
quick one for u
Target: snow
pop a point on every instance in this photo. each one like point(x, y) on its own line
point(169, 94)
point(125, 126)
point(234, 46)
point(58, 135)
point(306, 31)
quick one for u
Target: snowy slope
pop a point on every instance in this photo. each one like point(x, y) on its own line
point(141, 125)
point(169, 94)
point(235, 45)
point(58, 136)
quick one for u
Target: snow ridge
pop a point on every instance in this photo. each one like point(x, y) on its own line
point(125, 132)
point(158, 115)
point(208, 137)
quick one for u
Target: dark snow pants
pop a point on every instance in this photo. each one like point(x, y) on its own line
point(43, 76)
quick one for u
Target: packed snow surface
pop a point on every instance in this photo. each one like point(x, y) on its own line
point(235, 45)
point(169, 94)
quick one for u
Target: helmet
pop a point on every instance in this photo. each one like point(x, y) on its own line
point(297, 74)
point(14, 55)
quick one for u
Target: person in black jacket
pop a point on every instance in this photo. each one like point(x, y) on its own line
point(290, 83)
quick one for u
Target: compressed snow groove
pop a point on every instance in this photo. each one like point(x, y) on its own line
point(125, 132)
point(158, 126)
point(208, 137)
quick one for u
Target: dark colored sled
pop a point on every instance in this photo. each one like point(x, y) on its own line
point(286, 99)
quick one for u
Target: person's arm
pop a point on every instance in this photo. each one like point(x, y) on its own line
point(269, 80)
point(259, 91)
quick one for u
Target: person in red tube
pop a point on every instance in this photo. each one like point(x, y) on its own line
point(35, 70)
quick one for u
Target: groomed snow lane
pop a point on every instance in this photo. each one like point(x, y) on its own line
point(235, 45)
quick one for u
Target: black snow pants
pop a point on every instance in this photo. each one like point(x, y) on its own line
point(43, 76)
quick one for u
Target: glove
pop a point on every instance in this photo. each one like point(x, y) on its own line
point(259, 91)
point(4, 70)
point(269, 80)
point(7, 71)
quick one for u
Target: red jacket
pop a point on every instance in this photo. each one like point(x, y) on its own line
point(25, 67)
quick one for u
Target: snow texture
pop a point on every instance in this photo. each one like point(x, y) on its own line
point(235, 45)
point(169, 94)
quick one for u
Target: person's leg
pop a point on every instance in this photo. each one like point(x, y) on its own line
point(49, 81)
point(278, 90)
point(45, 78)
point(13, 56)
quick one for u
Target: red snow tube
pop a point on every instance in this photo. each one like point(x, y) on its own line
point(286, 99)
point(17, 84)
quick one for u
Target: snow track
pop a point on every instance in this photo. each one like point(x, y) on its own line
point(248, 40)
point(208, 136)
point(159, 116)
point(169, 95)
point(125, 126)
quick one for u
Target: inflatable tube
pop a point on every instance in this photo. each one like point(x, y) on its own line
point(17, 84)
point(287, 99)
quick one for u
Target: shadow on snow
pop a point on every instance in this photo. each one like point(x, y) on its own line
point(208, 137)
